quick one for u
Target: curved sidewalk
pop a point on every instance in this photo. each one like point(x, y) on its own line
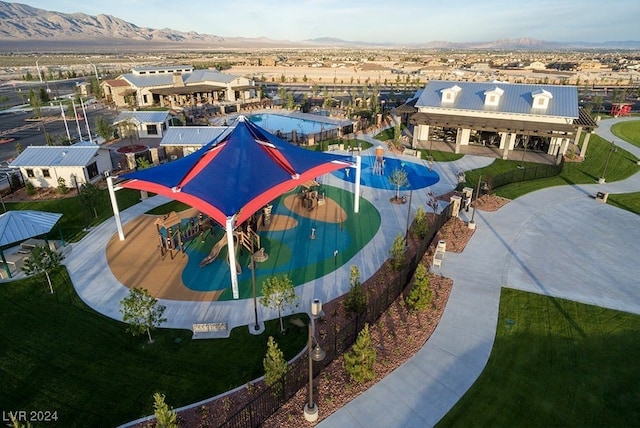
point(557, 241)
point(97, 286)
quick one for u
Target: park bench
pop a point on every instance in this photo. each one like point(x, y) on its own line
point(209, 329)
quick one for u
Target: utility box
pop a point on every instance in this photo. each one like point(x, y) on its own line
point(602, 197)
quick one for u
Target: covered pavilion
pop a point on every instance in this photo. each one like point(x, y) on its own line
point(19, 226)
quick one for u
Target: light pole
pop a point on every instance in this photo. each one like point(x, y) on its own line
point(95, 70)
point(472, 223)
point(315, 354)
point(38, 68)
point(612, 149)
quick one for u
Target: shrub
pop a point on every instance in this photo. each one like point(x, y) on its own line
point(29, 188)
point(359, 361)
point(62, 186)
point(419, 297)
point(398, 251)
point(420, 223)
point(356, 301)
point(274, 364)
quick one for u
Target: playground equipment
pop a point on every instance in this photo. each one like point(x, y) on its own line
point(247, 239)
point(174, 230)
point(378, 163)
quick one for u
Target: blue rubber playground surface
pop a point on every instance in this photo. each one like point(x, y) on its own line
point(418, 174)
point(291, 251)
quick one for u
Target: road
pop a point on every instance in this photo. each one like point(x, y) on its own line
point(15, 124)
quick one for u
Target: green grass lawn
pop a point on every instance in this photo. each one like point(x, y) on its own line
point(622, 164)
point(628, 131)
point(626, 201)
point(556, 363)
point(58, 354)
point(76, 216)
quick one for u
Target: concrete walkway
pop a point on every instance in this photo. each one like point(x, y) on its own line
point(98, 287)
point(558, 242)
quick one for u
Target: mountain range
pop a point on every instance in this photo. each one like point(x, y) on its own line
point(23, 27)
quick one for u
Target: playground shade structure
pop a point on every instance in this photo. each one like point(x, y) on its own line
point(236, 174)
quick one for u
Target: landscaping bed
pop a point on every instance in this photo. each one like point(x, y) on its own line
point(396, 336)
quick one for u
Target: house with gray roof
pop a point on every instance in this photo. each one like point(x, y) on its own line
point(80, 163)
point(180, 141)
point(499, 115)
point(143, 124)
point(178, 87)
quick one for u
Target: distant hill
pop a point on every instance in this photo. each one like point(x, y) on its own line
point(24, 27)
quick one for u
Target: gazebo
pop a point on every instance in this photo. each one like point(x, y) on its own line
point(234, 176)
point(18, 226)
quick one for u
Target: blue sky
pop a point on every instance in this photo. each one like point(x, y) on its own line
point(399, 21)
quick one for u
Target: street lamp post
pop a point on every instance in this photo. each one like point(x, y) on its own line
point(95, 70)
point(472, 223)
point(38, 68)
point(612, 149)
point(315, 354)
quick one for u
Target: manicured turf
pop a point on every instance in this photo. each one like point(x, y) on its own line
point(626, 201)
point(556, 363)
point(76, 216)
point(628, 131)
point(622, 164)
point(57, 354)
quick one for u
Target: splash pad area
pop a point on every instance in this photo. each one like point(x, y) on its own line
point(377, 168)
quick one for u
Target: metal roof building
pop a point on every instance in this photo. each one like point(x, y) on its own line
point(499, 116)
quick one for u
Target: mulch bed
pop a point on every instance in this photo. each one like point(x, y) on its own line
point(396, 336)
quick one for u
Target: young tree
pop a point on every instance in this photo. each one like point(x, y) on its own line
point(398, 178)
point(42, 259)
point(91, 196)
point(62, 186)
point(356, 301)
point(142, 312)
point(34, 101)
point(103, 128)
point(278, 293)
point(359, 361)
point(275, 366)
point(420, 223)
point(420, 295)
point(165, 417)
point(398, 251)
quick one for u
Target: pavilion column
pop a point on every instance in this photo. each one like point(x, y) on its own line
point(585, 144)
point(465, 134)
point(503, 145)
point(578, 133)
point(458, 140)
point(232, 257)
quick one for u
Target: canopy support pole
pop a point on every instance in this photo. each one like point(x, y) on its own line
point(356, 202)
point(232, 257)
point(114, 205)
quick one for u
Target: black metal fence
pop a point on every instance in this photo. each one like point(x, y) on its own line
point(335, 340)
point(525, 174)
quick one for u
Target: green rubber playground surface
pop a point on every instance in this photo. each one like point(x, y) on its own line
point(291, 251)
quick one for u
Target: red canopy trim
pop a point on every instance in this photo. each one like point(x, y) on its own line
point(206, 158)
point(186, 198)
point(262, 200)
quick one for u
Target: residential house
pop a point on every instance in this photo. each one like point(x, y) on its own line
point(44, 166)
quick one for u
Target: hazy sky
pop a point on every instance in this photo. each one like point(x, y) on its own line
point(400, 21)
